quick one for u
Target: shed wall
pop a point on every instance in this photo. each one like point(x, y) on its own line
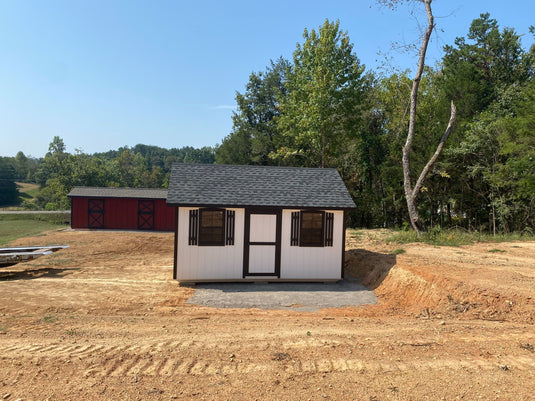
point(79, 212)
point(315, 263)
point(164, 216)
point(226, 262)
point(122, 214)
point(209, 262)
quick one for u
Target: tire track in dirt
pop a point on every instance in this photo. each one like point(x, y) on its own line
point(114, 316)
point(161, 359)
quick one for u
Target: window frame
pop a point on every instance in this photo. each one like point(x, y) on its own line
point(320, 243)
point(222, 234)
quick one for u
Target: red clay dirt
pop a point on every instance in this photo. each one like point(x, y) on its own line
point(103, 320)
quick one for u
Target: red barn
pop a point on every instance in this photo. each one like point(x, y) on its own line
point(121, 208)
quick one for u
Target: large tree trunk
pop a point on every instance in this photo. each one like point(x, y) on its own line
point(411, 193)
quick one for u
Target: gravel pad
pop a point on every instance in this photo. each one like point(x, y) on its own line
point(308, 297)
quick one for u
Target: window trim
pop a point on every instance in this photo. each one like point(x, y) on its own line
point(327, 230)
point(221, 241)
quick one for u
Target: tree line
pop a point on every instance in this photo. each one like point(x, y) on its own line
point(323, 108)
point(141, 166)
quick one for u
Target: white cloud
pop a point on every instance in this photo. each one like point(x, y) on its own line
point(225, 107)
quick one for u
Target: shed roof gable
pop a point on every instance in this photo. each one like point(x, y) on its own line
point(262, 186)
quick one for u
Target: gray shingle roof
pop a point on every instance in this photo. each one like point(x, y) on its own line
point(231, 185)
point(104, 192)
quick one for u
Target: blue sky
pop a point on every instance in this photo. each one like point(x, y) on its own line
point(105, 74)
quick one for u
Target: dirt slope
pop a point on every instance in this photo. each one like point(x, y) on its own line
point(487, 281)
point(103, 320)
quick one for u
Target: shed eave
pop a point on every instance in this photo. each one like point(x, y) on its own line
point(249, 206)
point(116, 197)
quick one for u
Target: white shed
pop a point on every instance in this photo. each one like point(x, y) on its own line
point(253, 223)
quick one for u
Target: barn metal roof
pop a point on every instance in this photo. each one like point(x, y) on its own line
point(262, 186)
point(106, 192)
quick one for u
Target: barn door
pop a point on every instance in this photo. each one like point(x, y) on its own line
point(95, 213)
point(145, 215)
point(262, 248)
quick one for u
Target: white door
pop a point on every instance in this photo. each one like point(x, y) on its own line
point(263, 244)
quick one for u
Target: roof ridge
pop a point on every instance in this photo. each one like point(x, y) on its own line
point(256, 166)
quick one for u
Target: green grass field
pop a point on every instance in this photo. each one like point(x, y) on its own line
point(455, 237)
point(27, 190)
point(435, 236)
point(24, 225)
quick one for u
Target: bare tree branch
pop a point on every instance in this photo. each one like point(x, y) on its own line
point(437, 153)
point(412, 193)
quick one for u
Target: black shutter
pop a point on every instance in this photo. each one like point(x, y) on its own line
point(193, 227)
point(294, 234)
point(329, 228)
point(229, 237)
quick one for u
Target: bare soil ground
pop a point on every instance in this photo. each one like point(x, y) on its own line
point(103, 320)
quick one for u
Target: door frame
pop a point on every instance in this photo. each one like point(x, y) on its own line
point(277, 243)
point(145, 214)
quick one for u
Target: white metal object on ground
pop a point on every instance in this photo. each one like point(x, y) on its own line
point(12, 256)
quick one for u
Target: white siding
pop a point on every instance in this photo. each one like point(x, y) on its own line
point(316, 263)
point(226, 262)
point(209, 262)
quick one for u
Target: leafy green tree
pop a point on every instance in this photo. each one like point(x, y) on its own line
point(60, 172)
point(205, 155)
point(21, 166)
point(84, 170)
point(125, 171)
point(476, 70)
point(391, 100)
point(326, 91)
point(52, 165)
point(255, 132)
point(53, 196)
point(359, 165)
point(478, 153)
point(234, 149)
point(57, 147)
point(140, 166)
point(151, 179)
point(485, 74)
point(514, 174)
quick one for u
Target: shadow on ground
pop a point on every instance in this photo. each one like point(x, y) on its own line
point(369, 268)
point(30, 274)
point(339, 286)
